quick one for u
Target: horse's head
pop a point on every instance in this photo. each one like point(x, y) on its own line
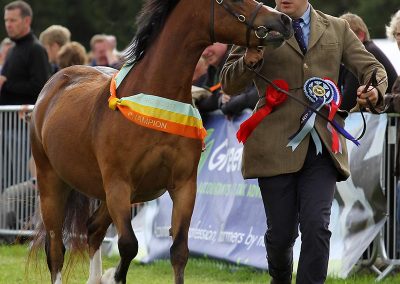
point(248, 23)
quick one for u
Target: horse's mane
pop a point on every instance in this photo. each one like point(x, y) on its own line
point(149, 22)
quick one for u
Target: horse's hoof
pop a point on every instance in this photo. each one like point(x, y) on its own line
point(108, 277)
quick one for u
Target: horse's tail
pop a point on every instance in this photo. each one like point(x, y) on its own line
point(77, 212)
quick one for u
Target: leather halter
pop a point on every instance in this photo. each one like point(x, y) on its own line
point(261, 32)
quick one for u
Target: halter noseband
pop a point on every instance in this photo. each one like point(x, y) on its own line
point(261, 32)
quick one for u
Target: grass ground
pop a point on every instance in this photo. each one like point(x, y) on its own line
point(198, 270)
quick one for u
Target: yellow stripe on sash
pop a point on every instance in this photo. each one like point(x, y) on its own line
point(163, 114)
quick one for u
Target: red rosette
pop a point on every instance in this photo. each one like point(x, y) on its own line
point(273, 98)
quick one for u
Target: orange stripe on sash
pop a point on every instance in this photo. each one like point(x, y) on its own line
point(163, 125)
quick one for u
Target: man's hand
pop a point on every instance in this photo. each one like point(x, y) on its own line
point(24, 112)
point(371, 94)
point(225, 98)
point(253, 56)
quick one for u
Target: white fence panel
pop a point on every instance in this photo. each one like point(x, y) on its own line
point(18, 194)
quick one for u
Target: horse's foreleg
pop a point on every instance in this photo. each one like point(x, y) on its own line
point(183, 202)
point(97, 226)
point(53, 197)
point(118, 195)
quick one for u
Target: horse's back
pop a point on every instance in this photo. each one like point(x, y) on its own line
point(79, 77)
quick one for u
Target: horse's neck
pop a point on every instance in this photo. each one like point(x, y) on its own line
point(167, 68)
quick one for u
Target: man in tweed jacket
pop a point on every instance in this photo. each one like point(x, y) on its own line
point(297, 184)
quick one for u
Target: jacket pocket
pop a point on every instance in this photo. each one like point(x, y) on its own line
point(330, 46)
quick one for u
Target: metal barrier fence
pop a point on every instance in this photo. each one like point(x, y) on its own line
point(18, 194)
point(388, 241)
point(383, 255)
point(17, 182)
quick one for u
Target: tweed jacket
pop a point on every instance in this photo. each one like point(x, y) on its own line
point(331, 43)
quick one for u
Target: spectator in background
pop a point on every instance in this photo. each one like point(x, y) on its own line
point(348, 82)
point(247, 99)
point(393, 99)
point(26, 68)
point(113, 45)
point(215, 55)
point(200, 72)
point(53, 38)
point(5, 46)
point(393, 30)
point(72, 53)
point(103, 51)
point(198, 79)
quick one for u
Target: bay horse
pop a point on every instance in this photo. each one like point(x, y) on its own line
point(83, 149)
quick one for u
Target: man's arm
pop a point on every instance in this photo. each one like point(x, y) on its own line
point(39, 73)
point(349, 89)
point(246, 99)
point(236, 75)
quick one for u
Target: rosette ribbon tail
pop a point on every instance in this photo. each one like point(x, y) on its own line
point(307, 122)
point(247, 127)
point(273, 98)
point(347, 135)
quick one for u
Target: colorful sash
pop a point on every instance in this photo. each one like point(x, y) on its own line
point(156, 112)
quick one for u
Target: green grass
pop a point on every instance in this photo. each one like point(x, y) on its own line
point(199, 270)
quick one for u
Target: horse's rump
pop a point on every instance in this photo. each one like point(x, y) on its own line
point(61, 124)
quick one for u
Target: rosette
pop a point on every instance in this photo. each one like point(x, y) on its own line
point(273, 98)
point(320, 92)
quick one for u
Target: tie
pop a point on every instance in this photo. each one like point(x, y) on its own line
point(298, 34)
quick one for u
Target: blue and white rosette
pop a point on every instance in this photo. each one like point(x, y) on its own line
point(319, 92)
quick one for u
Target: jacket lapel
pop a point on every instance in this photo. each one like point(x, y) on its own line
point(293, 43)
point(317, 28)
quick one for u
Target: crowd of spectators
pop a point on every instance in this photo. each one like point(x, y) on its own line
point(27, 62)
